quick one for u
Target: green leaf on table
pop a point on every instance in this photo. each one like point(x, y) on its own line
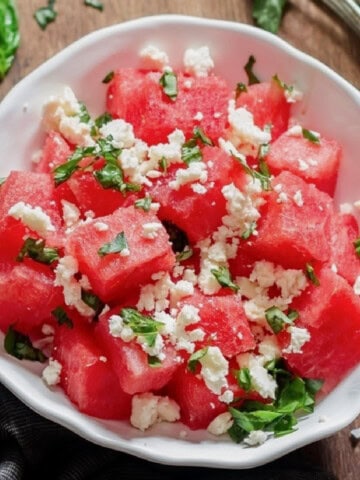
point(268, 14)
point(9, 35)
point(94, 4)
point(45, 15)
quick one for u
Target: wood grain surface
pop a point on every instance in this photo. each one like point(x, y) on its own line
point(308, 25)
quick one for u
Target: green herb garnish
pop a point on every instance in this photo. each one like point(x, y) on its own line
point(103, 119)
point(45, 15)
point(240, 88)
point(115, 246)
point(153, 361)
point(310, 273)
point(263, 176)
point(194, 359)
point(143, 203)
point(268, 14)
point(108, 77)
point(9, 35)
point(223, 277)
point(92, 301)
point(184, 255)
point(168, 81)
point(252, 78)
point(311, 136)
point(19, 345)
point(35, 249)
point(62, 317)
point(278, 319)
point(142, 325)
point(356, 244)
point(190, 151)
point(249, 231)
point(243, 378)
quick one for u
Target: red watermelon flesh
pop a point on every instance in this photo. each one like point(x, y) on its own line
point(27, 295)
point(113, 276)
point(331, 313)
point(137, 97)
point(267, 102)
point(314, 163)
point(130, 362)
point(290, 233)
point(55, 151)
point(87, 376)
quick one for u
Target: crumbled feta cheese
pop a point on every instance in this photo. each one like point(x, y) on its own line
point(118, 329)
point(282, 198)
point(214, 369)
point(179, 291)
point(150, 230)
point(196, 171)
point(156, 350)
point(303, 166)
point(32, 217)
point(198, 188)
point(84, 282)
point(227, 396)
point(102, 359)
point(125, 252)
point(198, 116)
point(148, 409)
point(122, 133)
point(51, 373)
point(298, 337)
point(357, 286)
point(261, 380)
point(334, 268)
point(295, 131)
point(220, 424)
point(293, 95)
point(346, 208)
point(71, 213)
point(182, 339)
point(256, 437)
point(198, 62)
point(298, 198)
point(153, 58)
point(155, 296)
point(269, 348)
point(101, 226)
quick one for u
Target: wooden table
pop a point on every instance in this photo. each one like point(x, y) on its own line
point(307, 25)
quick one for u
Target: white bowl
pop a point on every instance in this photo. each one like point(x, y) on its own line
point(330, 105)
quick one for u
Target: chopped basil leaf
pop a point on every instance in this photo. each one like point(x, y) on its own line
point(45, 15)
point(263, 176)
point(84, 115)
point(168, 81)
point(249, 231)
point(110, 176)
point(194, 359)
point(19, 345)
point(144, 203)
point(310, 273)
point(9, 35)
point(311, 136)
point(103, 119)
point(35, 249)
point(190, 151)
point(239, 89)
point(356, 244)
point(94, 4)
point(223, 277)
point(252, 78)
point(105, 149)
point(2, 180)
point(163, 164)
point(92, 301)
point(64, 171)
point(244, 379)
point(283, 85)
point(277, 319)
point(268, 14)
point(200, 135)
point(108, 77)
point(62, 317)
point(142, 325)
point(184, 255)
point(153, 361)
point(115, 246)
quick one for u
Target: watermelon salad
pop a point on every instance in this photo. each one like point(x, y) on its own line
point(180, 256)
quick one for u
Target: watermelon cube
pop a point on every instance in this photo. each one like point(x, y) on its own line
point(314, 163)
point(113, 275)
point(55, 151)
point(86, 374)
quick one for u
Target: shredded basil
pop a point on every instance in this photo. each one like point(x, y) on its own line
point(240, 88)
point(249, 231)
point(268, 14)
point(142, 325)
point(19, 345)
point(108, 77)
point(45, 15)
point(356, 244)
point(9, 35)
point(62, 317)
point(310, 273)
point(223, 277)
point(36, 249)
point(190, 151)
point(168, 81)
point(252, 78)
point(243, 378)
point(185, 254)
point(103, 119)
point(263, 176)
point(195, 358)
point(311, 136)
point(143, 203)
point(278, 319)
point(115, 246)
point(92, 301)
point(94, 4)
point(153, 361)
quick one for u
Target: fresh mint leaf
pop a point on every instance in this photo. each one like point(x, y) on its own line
point(36, 249)
point(110, 176)
point(45, 15)
point(194, 359)
point(278, 319)
point(223, 277)
point(115, 246)
point(356, 244)
point(163, 164)
point(103, 119)
point(311, 275)
point(94, 4)
point(92, 301)
point(249, 231)
point(190, 151)
point(252, 78)
point(243, 378)
point(142, 325)
point(239, 89)
point(311, 136)
point(168, 81)
point(143, 203)
point(9, 35)
point(84, 115)
point(184, 255)
point(264, 177)
point(62, 317)
point(19, 345)
point(153, 361)
point(200, 135)
point(108, 77)
point(268, 14)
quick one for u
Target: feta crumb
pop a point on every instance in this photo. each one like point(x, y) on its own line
point(293, 95)
point(357, 286)
point(71, 213)
point(346, 208)
point(295, 131)
point(196, 171)
point(125, 252)
point(101, 226)
point(122, 133)
point(269, 348)
point(303, 166)
point(118, 330)
point(180, 290)
point(150, 230)
point(214, 369)
point(32, 217)
point(153, 58)
point(102, 359)
point(217, 115)
point(181, 338)
point(334, 268)
point(198, 188)
point(256, 437)
point(227, 396)
point(299, 336)
point(51, 373)
point(298, 199)
point(47, 329)
point(220, 424)
point(282, 198)
point(148, 409)
point(261, 380)
point(198, 62)
point(198, 116)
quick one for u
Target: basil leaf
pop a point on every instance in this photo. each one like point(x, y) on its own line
point(45, 15)
point(249, 231)
point(239, 89)
point(168, 81)
point(142, 325)
point(103, 119)
point(200, 135)
point(252, 78)
point(184, 255)
point(115, 246)
point(312, 137)
point(110, 176)
point(283, 85)
point(108, 77)
point(64, 171)
point(244, 379)
point(223, 277)
point(2, 180)
point(62, 317)
point(356, 244)
point(268, 14)
point(92, 301)
point(143, 203)
point(194, 359)
point(310, 273)
point(35, 249)
point(9, 35)
point(163, 164)
point(94, 4)
point(190, 152)
point(84, 115)
point(19, 345)
point(263, 177)
point(153, 361)
point(277, 319)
